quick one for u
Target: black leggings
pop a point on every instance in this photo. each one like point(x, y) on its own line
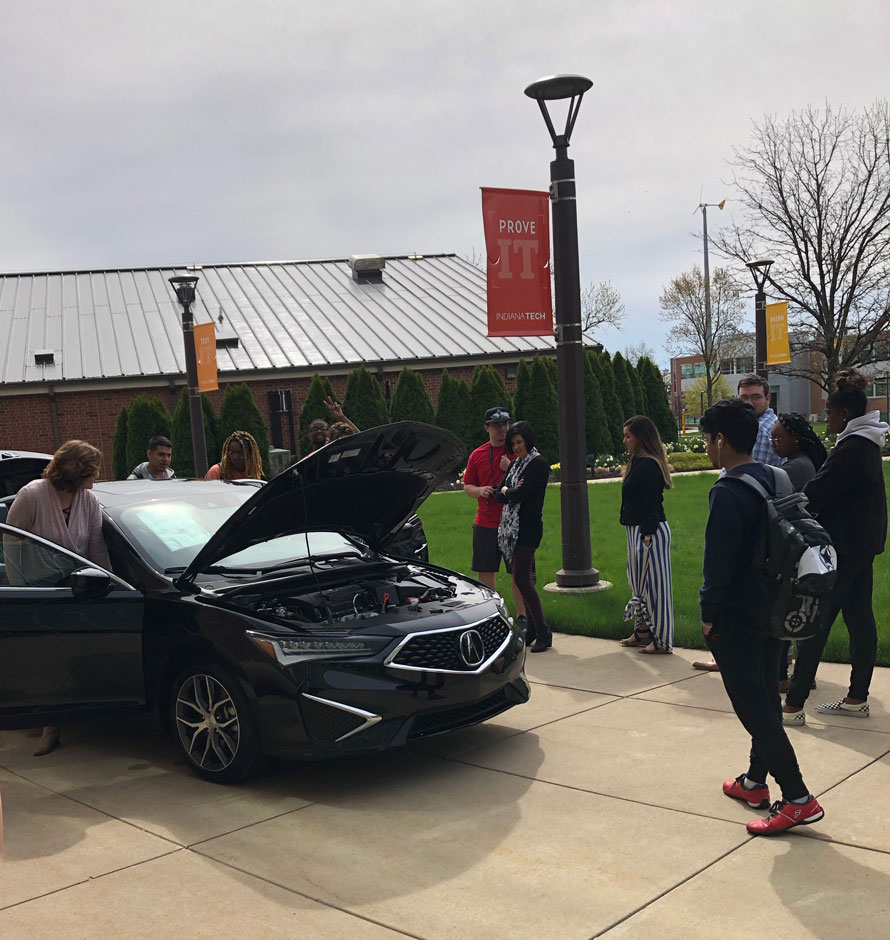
point(523, 565)
point(851, 597)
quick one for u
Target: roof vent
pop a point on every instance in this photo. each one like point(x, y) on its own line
point(367, 269)
point(229, 341)
point(44, 357)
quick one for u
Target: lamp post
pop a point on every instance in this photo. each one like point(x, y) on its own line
point(760, 270)
point(185, 294)
point(709, 339)
point(576, 571)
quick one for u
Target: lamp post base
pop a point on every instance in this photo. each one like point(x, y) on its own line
point(577, 578)
point(601, 585)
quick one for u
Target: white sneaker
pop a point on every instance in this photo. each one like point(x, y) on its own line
point(794, 718)
point(842, 708)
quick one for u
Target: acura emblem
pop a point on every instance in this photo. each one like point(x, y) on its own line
point(472, 648)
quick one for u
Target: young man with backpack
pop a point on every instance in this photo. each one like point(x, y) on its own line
point(736, 607)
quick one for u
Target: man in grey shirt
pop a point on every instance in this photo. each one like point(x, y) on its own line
point(157, 467)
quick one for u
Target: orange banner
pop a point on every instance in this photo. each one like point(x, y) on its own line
point(517, 244)
point(205, 351)
point(778, 350)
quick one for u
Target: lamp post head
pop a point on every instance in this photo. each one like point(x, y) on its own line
point(556, 88)
point(760, 270)
point(185, 289)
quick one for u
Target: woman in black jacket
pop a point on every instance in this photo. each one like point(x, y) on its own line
point(646, 476)
point(522, 524)
point(848, 498)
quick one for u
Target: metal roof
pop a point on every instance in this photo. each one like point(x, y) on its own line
point(290, 315)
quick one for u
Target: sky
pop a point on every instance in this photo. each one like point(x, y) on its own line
point(213, 131)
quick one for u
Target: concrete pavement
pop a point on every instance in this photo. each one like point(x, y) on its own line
point(593, 811)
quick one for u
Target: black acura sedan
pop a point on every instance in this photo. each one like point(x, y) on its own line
point(261, 621)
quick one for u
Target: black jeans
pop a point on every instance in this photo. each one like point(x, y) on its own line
point(523, 564)
point(852, 597)
point(749, 667)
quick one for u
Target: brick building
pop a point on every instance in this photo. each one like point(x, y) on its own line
point(79, 345)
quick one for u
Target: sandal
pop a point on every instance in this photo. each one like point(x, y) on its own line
point(653, 649)
point(640, 637)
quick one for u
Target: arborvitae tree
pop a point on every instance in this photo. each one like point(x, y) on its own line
point(520, 396)
point(315, 408)
point(119, 466)
point(455, 408)
point(239, 412)
point(623, 387)
point(541, 409)
point(554, 372)
point(147, 418)
point(364, 403)
point(599, 439)
point(411, 401)
point(656, 395)
point(181, 435)
point(639, 395)
point(488, 390)
point(602, 366)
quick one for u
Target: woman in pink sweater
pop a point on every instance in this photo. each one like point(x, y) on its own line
point(61, 508)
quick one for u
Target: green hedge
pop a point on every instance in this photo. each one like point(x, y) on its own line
point(689, 461)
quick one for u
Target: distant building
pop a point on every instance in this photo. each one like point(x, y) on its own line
point(789, 393)
point(78, 345)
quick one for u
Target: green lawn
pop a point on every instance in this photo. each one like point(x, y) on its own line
point(448, 519)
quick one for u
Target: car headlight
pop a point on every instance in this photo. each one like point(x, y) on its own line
point(301, 649)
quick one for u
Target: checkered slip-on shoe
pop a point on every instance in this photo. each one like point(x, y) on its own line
point(794, 718)
point(842, 708)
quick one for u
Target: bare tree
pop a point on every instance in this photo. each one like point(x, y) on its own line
point(634, 352)
point(475, 258)
point(815, 189)
point(683, 307)
point(600, 306)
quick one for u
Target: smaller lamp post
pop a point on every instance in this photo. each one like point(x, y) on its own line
point(760, 270)
point(185, 294)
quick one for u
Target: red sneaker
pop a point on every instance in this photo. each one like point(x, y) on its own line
point(784, 815)
point(758, 797)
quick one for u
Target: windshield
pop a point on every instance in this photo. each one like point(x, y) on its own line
point(171, 532)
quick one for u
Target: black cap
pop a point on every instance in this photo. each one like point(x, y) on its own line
point(499, 413)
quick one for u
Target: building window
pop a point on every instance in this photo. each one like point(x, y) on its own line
point(879, 387)
point(744, 364)
point(726, 366)
point(686, 371)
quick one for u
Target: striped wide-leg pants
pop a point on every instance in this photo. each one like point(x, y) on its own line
point(649, 577)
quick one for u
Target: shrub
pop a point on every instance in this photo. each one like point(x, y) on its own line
point(363, 402)
point(520, 396)
point(603, 368)
point(455, 408)
point(411, 401)
point(541, 409)
point(181, 435)
point(239, 412)
point(657, 399)
point(689, 461)
point(147, 417)
point(623, 387)
point(597, 436)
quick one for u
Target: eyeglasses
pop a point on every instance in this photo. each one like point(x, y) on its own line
point(751, 397)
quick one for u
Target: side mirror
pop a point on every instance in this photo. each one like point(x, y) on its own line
point(89, 583)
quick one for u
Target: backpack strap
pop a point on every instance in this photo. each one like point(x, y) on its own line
point(781, 483)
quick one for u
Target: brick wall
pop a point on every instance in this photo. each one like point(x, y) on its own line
point(26, 420)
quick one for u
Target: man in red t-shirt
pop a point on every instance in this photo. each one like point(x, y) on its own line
point(481, 478)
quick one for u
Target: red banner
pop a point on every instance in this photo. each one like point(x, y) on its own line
point(517, 244)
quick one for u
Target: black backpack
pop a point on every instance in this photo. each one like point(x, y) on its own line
point(800, 564)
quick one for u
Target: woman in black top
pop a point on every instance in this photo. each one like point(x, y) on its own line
point(651, 606)
point(849, 499)
point(522, 523)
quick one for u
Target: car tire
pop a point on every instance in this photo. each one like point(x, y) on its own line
point(213, 724)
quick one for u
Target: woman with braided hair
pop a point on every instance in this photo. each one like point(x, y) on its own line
point(241, 459)
point(798, 443)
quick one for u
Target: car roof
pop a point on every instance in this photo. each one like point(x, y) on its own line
point(31, 454)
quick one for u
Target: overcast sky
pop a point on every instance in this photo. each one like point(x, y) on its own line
point(223, 131)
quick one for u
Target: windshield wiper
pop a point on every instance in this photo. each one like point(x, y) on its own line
point(213, 569)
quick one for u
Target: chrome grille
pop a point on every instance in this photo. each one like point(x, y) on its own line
point(439, 651)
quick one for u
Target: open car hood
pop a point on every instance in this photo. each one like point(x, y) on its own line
point(368, 484)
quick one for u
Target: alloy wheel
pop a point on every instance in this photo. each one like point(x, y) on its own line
point(207, 722)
